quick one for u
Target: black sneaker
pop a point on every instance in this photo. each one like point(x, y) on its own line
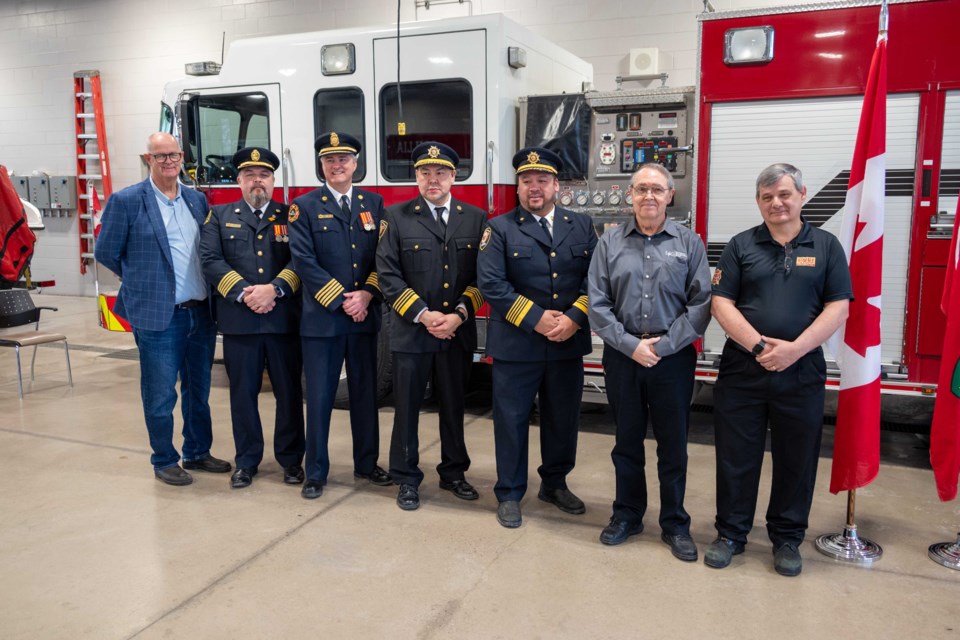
point(720, 552)
point(787, 560)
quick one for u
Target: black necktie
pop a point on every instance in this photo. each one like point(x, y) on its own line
point(258, 213)
point(443, 225)
point(546, 227)
point(345, 206)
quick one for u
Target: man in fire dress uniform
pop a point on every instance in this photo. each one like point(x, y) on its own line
point(333, 239)
point(532, 269)
point(246, 259)
point(427, 261)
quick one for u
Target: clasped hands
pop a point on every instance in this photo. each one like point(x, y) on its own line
point(441, 325)
point(555, 326)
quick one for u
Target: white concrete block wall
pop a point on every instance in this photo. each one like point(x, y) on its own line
point(139, 44)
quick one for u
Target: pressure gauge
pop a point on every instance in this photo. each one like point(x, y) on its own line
point(582, 198)
point(598, 198)
point(566, 198)
point(614, 198)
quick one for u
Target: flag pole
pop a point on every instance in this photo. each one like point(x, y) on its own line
point(848, 546)
point(946, 553)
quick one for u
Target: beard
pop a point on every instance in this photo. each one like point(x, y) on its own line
point(258, 199)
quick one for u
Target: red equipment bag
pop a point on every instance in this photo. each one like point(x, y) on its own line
point(16, 238)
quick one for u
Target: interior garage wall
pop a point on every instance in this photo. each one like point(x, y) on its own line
point(138, 45)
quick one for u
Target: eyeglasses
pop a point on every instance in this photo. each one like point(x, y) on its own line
point(166, 157)
point(641, 190)
point(787, 258)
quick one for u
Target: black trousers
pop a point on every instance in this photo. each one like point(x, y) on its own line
point(661, 393)
point(746, 399)
point(515, 386)
point(411, 372)
point(245, 357)
point(323, 359)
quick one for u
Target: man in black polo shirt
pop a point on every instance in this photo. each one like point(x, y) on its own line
point(779, 291)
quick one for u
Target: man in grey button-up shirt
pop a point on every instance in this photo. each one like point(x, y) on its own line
point(649, 291)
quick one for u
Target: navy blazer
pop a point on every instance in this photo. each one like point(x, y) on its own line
point(133, 244)
point(522, 271)
point(237, 250)
point(333, 254)
point(421, 269)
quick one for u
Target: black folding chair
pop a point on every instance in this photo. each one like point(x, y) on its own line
point(16, 310)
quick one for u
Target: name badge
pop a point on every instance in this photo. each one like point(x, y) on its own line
point(234, 225)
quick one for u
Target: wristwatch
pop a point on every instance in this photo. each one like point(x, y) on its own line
point(459, 312)
point(278, 290)
point(758, 348)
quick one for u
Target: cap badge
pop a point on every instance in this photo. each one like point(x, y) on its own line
point(255, 155)
point(533, 157)
point(334, 140)
point(433, 152)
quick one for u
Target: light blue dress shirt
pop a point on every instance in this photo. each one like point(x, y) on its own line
point(183, 235)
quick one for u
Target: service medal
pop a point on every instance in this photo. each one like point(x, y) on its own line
point(367, 219)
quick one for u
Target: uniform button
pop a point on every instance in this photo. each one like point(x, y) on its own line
point(416, 246)
point(446, 285)
point(469, 246)
point(259, 253)
point(446, 304)
point(446, 266)
point(444, 247)
point(646, 295)
point(260, 237)
point(556, 295)
point(554, 275)
point(324, 228)
point(353, 246)
point(648, 257)
point(354, 265)
point(232, 237)
point(356, 284)
point(553, 254)
point(644, 315)
point(260, 270)
point(515, 254)
point(647, 277)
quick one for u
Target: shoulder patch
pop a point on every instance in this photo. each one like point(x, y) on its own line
point(485, 239)
point(209, 215)
point(717, 274)
point(383, 228)
point(293, 214)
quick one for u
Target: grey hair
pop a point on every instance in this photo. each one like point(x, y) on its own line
point(772, 174)
point(656, 166)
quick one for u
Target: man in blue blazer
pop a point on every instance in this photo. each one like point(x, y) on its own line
point(150, 237)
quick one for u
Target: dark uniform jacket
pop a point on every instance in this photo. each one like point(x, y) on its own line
point(521, 272)
point(237, 250)
point(333, 254)
point(420, 270)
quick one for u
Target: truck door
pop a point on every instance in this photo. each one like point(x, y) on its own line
point(442, 93)
point(215, 123)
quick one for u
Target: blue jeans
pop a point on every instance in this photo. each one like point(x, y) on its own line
point(184, 348)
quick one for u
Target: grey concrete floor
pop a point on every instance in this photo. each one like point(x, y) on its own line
point(92, 546)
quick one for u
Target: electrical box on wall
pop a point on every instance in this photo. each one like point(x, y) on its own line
point(39, 191)
point(21, 186)
point(63, 192)
point(644, 61)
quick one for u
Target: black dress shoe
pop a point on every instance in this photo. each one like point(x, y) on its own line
point(378, 477)
point(619, 530)
point(208, 464)
point(460, 488)
point(408, 498)
point(508, 514)
point(173, 475)
point(312, 490)
point(293, 474)
point(681, 545)
point(563, 499)
point(721, 551)
point(242, 478)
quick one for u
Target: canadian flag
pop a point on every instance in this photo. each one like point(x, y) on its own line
point(856, 449)
point(945, 430)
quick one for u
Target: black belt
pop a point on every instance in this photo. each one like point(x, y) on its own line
point(644, 336)
point(189, 304)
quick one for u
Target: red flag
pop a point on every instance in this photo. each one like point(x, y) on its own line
point(95, 212)
point(856, 447)
point(945, 430)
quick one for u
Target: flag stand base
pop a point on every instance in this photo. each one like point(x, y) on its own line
point(849, 547)
point(946, 553)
